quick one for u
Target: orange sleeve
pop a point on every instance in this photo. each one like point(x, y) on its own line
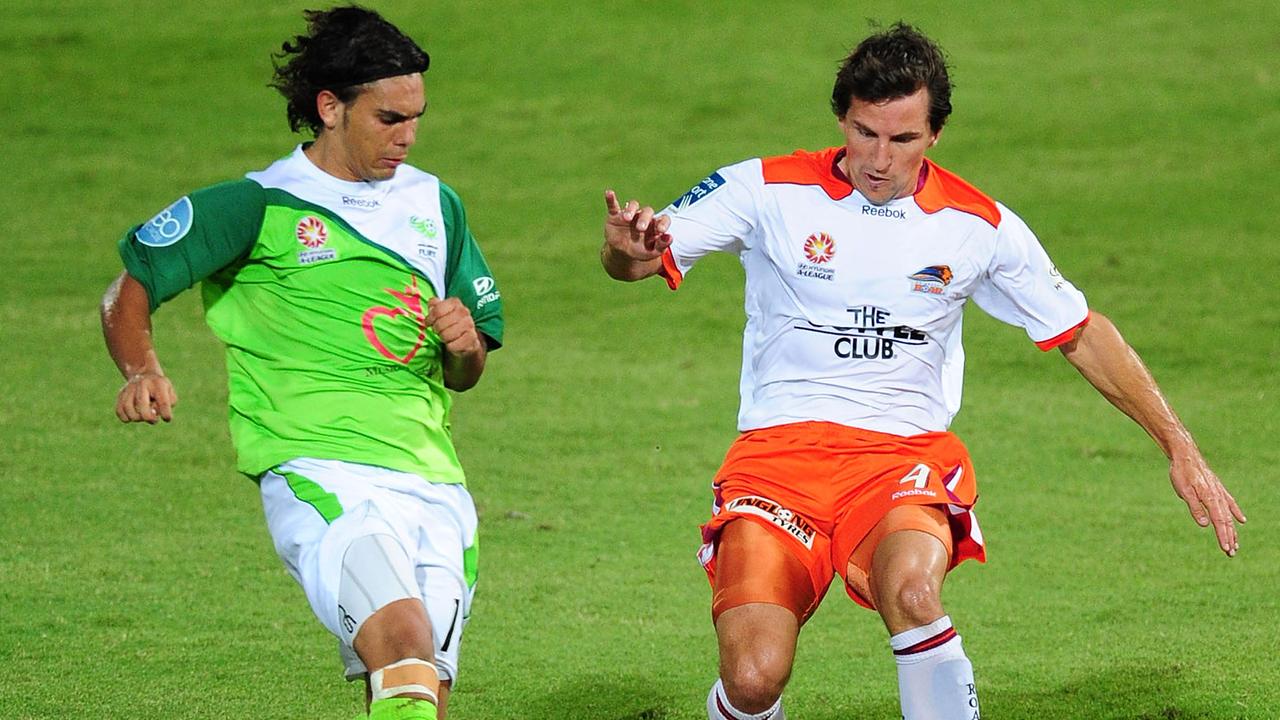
point(669, 271)
point(1065, 337)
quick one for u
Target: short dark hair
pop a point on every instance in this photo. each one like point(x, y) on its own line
point(893, 64)
point(344, 48)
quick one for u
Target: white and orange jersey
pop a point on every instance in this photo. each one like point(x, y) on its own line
point(853, 309)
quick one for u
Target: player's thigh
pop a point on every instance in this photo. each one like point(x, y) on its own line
point(756, 564)
point(447, 568)
point(314, 509)
point(910, 547)
point(436, 525)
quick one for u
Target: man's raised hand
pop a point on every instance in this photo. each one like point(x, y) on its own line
point(633, 231)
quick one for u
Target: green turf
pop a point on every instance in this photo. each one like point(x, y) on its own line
point(1138, 139)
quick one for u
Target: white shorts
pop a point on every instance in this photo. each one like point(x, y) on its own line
point(316, 508)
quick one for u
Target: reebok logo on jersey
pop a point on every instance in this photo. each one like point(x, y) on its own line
point(708, 185)
point(931, 280)
point(884, 212)
point(796, 526)
point(367, 203)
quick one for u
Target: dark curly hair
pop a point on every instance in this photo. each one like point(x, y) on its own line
point(893, 64)
point(344, 48)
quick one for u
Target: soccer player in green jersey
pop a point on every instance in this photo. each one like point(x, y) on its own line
point(350, 295)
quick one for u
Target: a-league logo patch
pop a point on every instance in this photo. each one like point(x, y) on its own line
point(311, 231)
point(795, 525)
point(313, 234)
point(819, 248)
point(169, 226)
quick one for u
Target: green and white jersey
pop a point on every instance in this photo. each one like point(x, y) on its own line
point(318, 287)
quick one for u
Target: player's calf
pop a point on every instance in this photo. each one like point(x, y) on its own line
point(935, 677)
point(389, 629)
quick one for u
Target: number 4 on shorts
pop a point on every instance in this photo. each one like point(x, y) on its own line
point(918, 475)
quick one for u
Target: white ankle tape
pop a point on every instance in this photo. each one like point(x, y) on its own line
point(382, 693)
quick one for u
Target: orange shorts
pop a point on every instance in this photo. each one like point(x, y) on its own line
point(820, 488)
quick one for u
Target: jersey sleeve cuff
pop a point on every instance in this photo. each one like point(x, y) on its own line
point(1056, 340)
point(137, 267)
point(669, 271)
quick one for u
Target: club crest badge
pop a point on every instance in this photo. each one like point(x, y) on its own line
point(931, 280)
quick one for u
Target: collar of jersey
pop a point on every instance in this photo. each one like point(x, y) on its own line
point(357, 188)
point(841, 182)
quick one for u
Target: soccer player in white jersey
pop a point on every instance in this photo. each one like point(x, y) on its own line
point(351, 296)
point(858, 261)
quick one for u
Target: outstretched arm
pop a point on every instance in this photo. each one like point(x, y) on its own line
point(147, 395)
point(1104, 358)
point(634, 240)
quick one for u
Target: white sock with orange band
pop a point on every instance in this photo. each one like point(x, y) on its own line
point(718, 707)
point(935, 678)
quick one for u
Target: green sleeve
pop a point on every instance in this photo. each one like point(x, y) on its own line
point(467, 276)
point(193, 238)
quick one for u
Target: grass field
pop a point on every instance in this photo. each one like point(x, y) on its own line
point(1139, 140)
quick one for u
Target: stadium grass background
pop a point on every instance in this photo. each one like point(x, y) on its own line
point(136, 577)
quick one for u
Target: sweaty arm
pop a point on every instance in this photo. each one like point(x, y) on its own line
point(147, 395)
point(186, 242)
point(1104, 358)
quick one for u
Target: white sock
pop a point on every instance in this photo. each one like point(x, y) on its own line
point(935, 679)
point(718, 707)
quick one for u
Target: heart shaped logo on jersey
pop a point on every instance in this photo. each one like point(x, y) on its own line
point(410, 308)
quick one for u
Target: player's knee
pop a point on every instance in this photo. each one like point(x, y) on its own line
point(382, 617)
point(398, 630)
point(913, 598)
point(754, 683)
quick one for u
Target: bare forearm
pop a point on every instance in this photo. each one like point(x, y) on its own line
point(126, 327)
point(1103, 357)
point(462, 372)
point(619, 266)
